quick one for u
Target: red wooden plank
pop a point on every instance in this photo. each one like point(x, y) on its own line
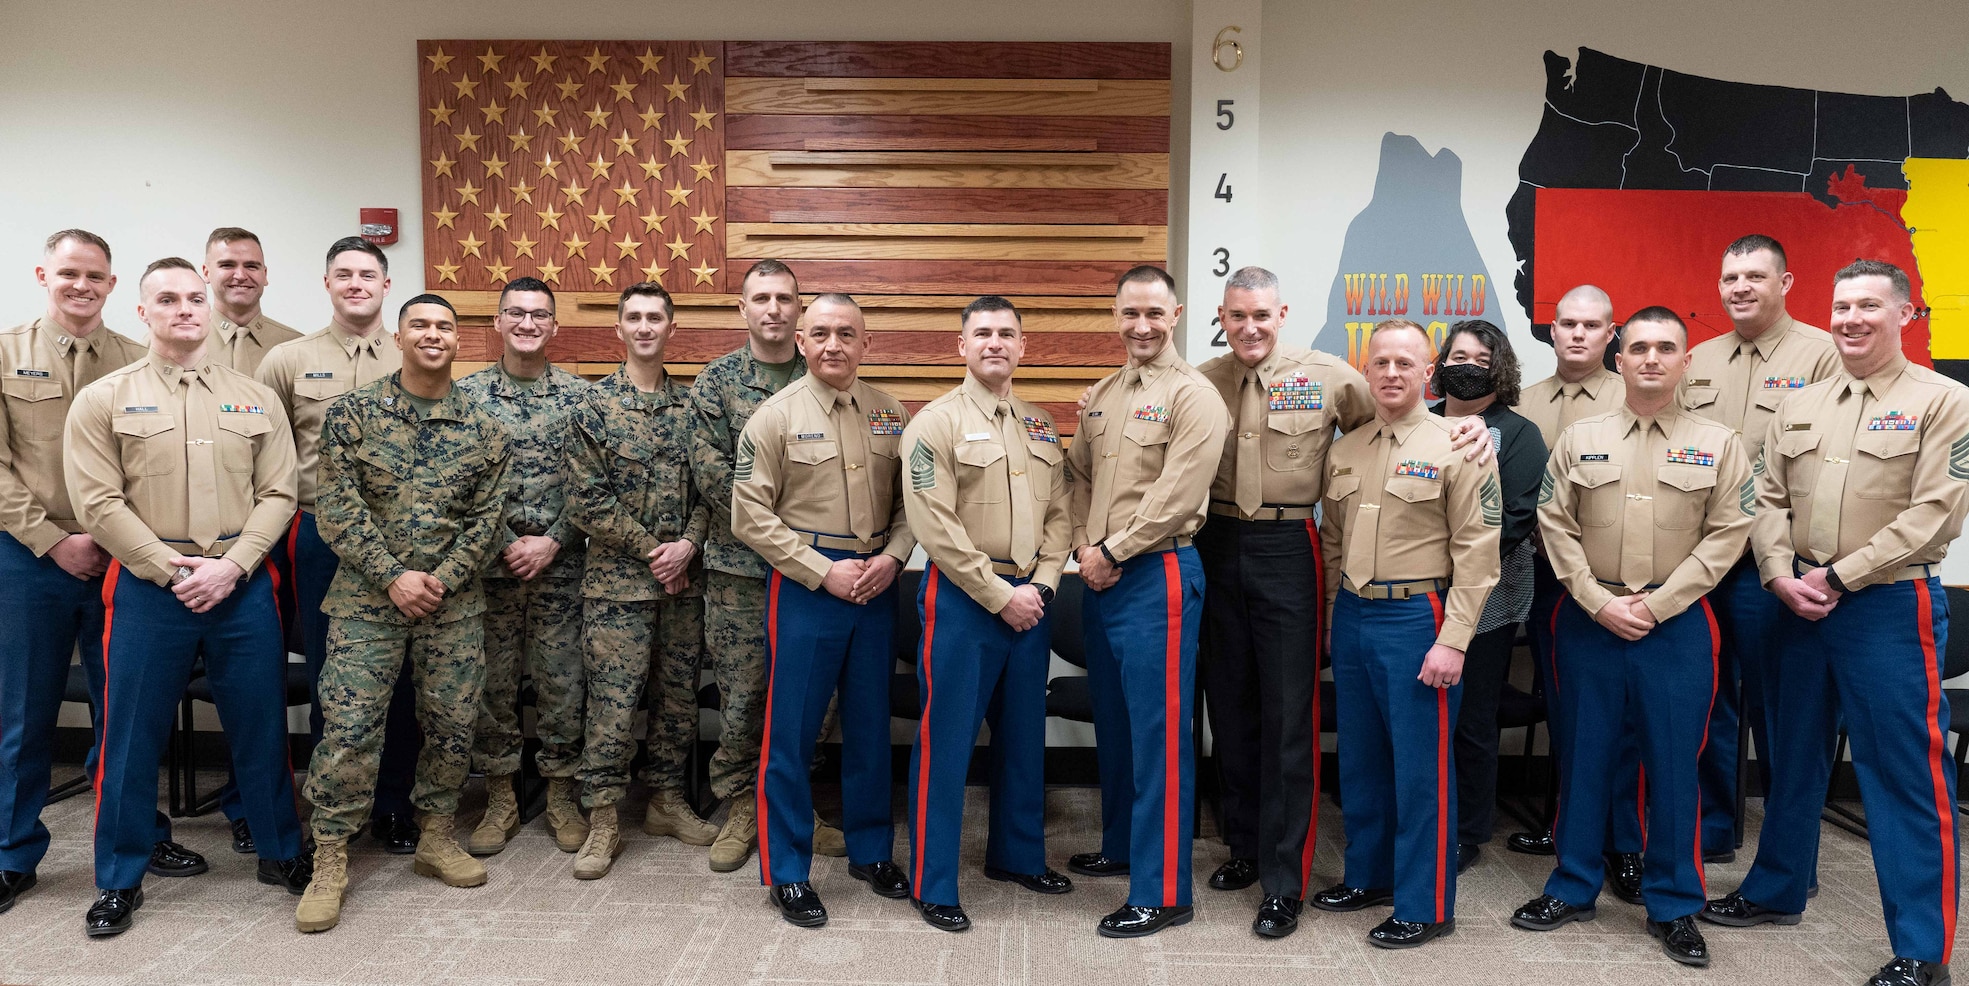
point(791, 132)
point(1010, 277)
point(592, 345)
point(949, 60)
point(1123, 206)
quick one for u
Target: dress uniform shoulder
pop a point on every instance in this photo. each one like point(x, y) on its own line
point(1216, 365)
point(21, 329)
point(939, 402)
point(1923, 375)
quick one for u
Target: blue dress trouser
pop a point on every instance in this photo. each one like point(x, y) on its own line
point(1747, 615)
point(1397, 778)
point(1141, 636)
point(1876, 662)
point(816, 644)
point(1625, 829)
point(150, 641)
point(974, 668)
point(1657, 690)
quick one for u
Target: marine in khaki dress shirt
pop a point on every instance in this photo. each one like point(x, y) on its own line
point(310, 373)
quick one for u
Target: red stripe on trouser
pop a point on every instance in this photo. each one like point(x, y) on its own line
point(923, 726)
point(1715, 683)
point(1172, 714)
point(1442, 780)
point(1925, 624)
point(109, 623)
point(1313, 810)
point(766, 735)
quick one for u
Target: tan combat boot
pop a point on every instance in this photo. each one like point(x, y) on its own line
point(669, 814)
point(564, 819)
point(502, 817)
point(439, 855)
point(741, 832)
point(321, 906)
point(828, 840)
point(603, 845)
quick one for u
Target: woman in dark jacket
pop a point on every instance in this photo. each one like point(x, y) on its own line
point(1477, 373)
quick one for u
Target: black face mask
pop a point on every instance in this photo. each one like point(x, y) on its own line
point(1466, 381)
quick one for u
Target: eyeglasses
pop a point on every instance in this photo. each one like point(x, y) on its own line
point(521, 315)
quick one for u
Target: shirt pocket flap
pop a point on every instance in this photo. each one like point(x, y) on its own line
point(30, 388)
point(1593, 475)
point(1047, 452)
point(1770, 398)
point(1795, 443)
point(245, 424)
point(1688, 479)
point(1342, 487)
point(1144, 432)
point(143, 425)
point(1887, 444)
point(385, 457)
point(1415, 489)
point(812, 453)
point(1695, 397)
point(1295, 422)
point(980, 453)
point(632, 451)
point(320, 390)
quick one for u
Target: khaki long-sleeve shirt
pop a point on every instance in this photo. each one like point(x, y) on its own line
point(1401, 506)
point(1630, 502)
point(818, 461)
point(1149, 445)
point(1741, 383)
point(311, 373)
point(1283, 420)
point(1553, 404)
point(1893, 463)
point(167, 460)
point(630, 485)
point(245, 347)
point(42, 369)
point(987, 483)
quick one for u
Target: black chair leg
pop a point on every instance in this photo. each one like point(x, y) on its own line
point(1834, 812)
point(1743, 764)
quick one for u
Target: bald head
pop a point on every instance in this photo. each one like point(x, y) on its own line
point(1588, 298)
point(1582, 326)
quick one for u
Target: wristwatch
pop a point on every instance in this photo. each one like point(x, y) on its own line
point(1045, 594)
point(183, 573)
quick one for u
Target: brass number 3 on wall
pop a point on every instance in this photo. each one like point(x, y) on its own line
point(1237, 50)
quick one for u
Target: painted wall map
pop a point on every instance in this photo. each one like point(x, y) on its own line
point(1640, 175)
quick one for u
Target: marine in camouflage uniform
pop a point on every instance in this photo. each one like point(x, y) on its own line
point(535, 620)
point(402, 493)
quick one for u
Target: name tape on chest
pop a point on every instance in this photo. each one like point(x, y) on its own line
point(810, 436)
point(1152, 412)
point(1095, 414)
point(242, 409)
point(977, 436)
point(1040, 430)
point(319, 375)
point(885, 421)
point(1784, 383)
point(1691, 457)
point(37, 374)
point(1894, 421)
point(1417, 468)
point(1593, 457)
point(140, 409)
point(1295, 393)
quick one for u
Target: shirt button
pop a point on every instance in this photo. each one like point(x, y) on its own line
point(1018, 472)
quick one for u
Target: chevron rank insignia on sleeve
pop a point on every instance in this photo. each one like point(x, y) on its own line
point(1546, 486)
point(1747, 497)
point(1958, 459)
point(1493, 501)
point(742, 473)
point(922, 467)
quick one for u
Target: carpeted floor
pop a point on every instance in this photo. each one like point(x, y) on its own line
point(663, 919)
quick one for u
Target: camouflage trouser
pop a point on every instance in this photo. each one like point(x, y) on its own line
point(447, 663)
point(735, 643)
point(653, 644)
point(538, 623)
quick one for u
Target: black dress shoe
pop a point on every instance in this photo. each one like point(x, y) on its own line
point(1140, 922)
point(1277, 917)
point(943, 917)
point(170, 859)
point(1681, 940)
point(1235, 874)
point(397, 832)
point(292, 874)
point(13, 883)
point(1531, 843)
point(1050, 881)
point(883, 877)
point(1910, 972)
point(113, 912)
point(1736, 911)
point(1624, 876)
point(1341, 898)
point(1467, 854)
point(1095, 864)
point(1720, 856)
point(798, 904)
point(1548, 912)
point(242, 837)
point(1408, 934)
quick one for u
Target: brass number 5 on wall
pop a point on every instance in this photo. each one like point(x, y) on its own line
point(1237, 50)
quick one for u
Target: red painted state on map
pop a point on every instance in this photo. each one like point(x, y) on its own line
point(1665, 248)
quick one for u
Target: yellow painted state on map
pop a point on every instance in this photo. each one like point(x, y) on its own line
point(1938, 210)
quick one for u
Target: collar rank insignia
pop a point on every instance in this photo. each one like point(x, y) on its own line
point(1691, 457)
point(243, 408)
point(1152, 412)
point(39, 374)
point(1894, 421)
point(1040, 430)
point(1295, 393)
point(1783, 383)
point(884, 421)
point(1417, 468)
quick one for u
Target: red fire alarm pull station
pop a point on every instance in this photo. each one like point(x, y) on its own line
point(379, 226)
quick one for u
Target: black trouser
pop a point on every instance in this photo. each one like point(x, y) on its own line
point(1260, 676)
point(1486, 665)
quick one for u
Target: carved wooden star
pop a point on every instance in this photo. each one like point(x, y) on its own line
point(703, 274)
point(550, 168)
point(649, 59)
point(679, 145)
point(676, 89)
point(469, 192)
point(495, 167)
point(441, 114)
point(444, 217)
point(516, 87)
point(546, 115)
point(626, 193)
point(490, 60)
point(467, 139)
point(653, 272)
point(702, 118)
point(466, 86)
point(493, 112)
point(551, 273)
point(679, 195)
point(652, 169)
point(523, 246)
point(544, 62)
point(498, 268)
point(703, 221)
point(596, 61)
point(470, 245)
point(599, 167)
point(442, 166)
point(602, 219)
point(573, 192)
point(703, 169)
point(521, 141)
point(701, 62)
point(440, 62)
point(651, 117)
point(576, 247)
point(446, 272)
point(623, 87)
point(570, 144)
point(568, 88)
point(598, 117)
point(624, 144)
point(523, 192)
point(652, 221)
point(626, 248)
point(495, 218)
point(679, 247)
point(602, 272)
point(550, 217)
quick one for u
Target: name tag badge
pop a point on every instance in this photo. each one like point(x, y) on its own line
point(1344, 471)
point(1699, 383)
point(1799, 426)
point(37, 374)
point(1094, 414)
point(319, 375)
point(1593, 457)
point(809, 436)
point(977, 436)
point(140, 409)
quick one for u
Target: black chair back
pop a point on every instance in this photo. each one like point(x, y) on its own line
point(1065, 616)
point(1955, 656)
point(909, 626)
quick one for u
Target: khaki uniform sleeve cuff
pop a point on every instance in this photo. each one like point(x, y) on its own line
point(811, 568)
point(1594, 599)
point(246, 558)
point(1456, 635)
point(43, 538)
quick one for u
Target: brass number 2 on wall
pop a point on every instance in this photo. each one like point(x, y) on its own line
point(1237, 50)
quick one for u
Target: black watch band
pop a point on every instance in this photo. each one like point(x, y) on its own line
point(1045, 594)
point(1105, 553)
point(1832, 579)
